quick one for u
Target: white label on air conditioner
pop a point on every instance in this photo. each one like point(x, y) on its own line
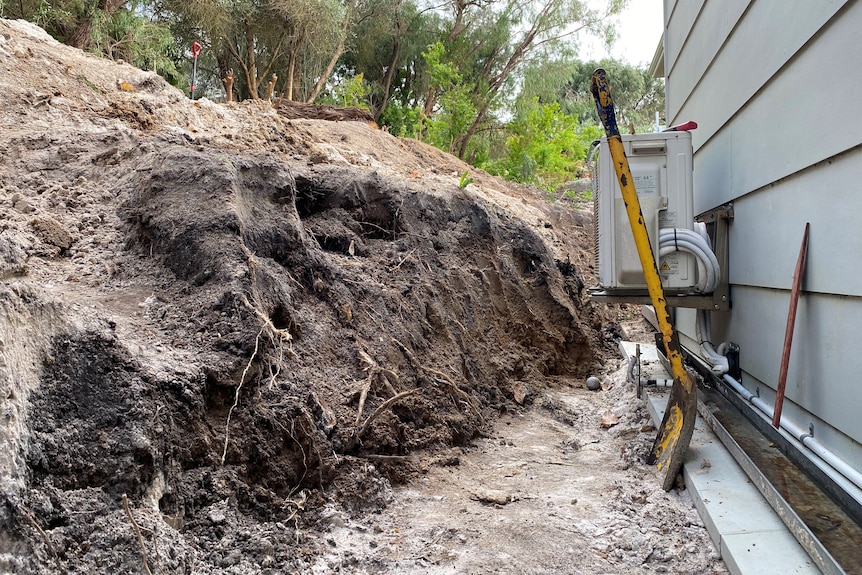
point(646, 184)
point(667, 219)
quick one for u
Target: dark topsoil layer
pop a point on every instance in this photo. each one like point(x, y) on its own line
point(232, 328)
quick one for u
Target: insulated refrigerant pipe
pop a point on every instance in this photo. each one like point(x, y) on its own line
point(804, 437)
point(682, 239)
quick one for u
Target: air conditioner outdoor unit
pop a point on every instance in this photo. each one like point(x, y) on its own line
point(661, 164)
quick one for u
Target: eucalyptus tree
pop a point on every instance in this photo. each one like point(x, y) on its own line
point(493, 40)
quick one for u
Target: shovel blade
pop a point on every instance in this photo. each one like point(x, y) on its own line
point(675, 431)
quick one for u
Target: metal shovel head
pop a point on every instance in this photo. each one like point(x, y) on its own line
point(674, 434)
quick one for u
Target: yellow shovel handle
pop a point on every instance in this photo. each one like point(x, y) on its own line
point(605, 105)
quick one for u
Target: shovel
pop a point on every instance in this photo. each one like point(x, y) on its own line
point(676, 428)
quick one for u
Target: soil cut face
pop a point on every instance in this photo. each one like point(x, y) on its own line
point(226, 334)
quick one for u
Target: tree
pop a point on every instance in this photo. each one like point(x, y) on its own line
point(637, 95)
point(129, 35)
point(546, 146)
point(456, 106)
point(305, 21)
point(387, 50)
point(302, 39)
point(246, 33)
point(496, 38)
point(69, 21)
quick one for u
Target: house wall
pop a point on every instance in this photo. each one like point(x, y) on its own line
point(776, 89)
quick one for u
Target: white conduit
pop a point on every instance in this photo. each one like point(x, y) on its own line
point(804, 437)
point(684, 240)
point(834, 465)
point(716, 360)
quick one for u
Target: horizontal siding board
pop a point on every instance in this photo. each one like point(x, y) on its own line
point(746, 63)
point(711, 182)
point(821, 377)
point(779, 108)
point(786, 128)
point(767, 230)
point(716, 22)
point(682, 16)
point(817, 374)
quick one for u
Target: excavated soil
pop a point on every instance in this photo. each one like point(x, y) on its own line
point(235, 342)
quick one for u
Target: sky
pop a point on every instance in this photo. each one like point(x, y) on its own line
point(639, 29)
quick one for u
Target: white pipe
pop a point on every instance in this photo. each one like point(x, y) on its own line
point(705, 279)
point(834, 463)
point(716, 360)
point(700, 228)
point(681, 239)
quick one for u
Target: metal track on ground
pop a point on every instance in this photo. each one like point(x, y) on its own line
point(812, 545)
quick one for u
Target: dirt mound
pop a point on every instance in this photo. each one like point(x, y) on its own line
point(217, 315)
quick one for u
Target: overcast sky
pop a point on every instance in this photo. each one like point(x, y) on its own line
point(639, 30)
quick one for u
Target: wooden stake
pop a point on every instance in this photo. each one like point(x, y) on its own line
point(788, 332)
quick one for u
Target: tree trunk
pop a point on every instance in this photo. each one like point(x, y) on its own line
point(339, 50)
point(292, 62)
point(250, 68)
point(387, 78)
point(80, 37)
point(276, 51)
point(464, 140)
point(291, 70)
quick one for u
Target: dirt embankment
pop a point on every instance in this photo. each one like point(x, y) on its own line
point(222, 314)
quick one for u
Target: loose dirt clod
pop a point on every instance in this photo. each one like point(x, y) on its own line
point(237, 331)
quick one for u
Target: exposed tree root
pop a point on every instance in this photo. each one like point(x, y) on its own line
point(32, 521)
point(450, 383)
point(137, 529)
point(357, 437)
point(376, 373)
point(236, 395)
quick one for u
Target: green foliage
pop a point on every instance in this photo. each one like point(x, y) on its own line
point(402, 120)
point(126, 34)
point(465, 180)
point(546, 147)
point(117, 30)
point(454, 116)
point(57, 18)
point(456, 110)
point(446, 75)
point(349, 93)
point(443, 73)
point(387, 48)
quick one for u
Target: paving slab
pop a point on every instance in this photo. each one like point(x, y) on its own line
point(747, 532)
